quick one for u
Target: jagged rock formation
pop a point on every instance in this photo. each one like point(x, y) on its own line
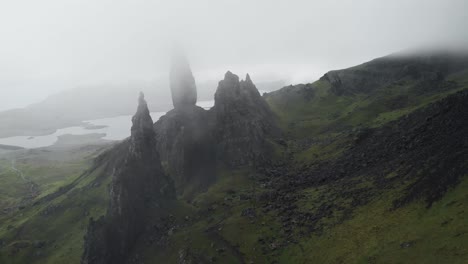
point(184, 133)
point(191, 139)
point(186, 147)
point(137, 189)
point(183, 88)
point(243, 121)
point(234, 132)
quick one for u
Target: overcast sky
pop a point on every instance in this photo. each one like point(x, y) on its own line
point(51, 45)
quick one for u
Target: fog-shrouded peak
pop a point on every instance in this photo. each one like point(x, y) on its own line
point(182, 82)
point(247, 78)
point(142, 122)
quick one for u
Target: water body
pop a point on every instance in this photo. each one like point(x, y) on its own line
point(114, 128)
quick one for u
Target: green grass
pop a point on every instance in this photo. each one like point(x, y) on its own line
point(377, 234)
point(63, 227)
point(326, 112)
point(322, 152)
point(217, 229)
point(211, 224)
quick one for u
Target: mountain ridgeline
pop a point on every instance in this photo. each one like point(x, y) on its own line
point(366, 165)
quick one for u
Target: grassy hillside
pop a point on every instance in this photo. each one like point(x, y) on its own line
point(372, 169)
point(376, 95)
point(45, 210)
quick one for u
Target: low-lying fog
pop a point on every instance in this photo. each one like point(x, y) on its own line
point(71, 61)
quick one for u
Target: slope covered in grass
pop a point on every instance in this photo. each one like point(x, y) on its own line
point(371, 169)
point(47, 226)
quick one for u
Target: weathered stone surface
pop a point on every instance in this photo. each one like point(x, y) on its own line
point(186, 146)
point(243, 122)
point(183, 88)
point(193, 141)
point(138, 186)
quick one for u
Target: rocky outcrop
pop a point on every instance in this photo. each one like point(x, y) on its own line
point(243, 122)
point(192, 141)
point(183, 88)
point(184, 134)
point(186, 146)
point(138, 188)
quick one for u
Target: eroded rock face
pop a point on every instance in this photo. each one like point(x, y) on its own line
point(186, 146)
point(192, 141)
point(138, 187)
point(243, 122)
point(183, 88)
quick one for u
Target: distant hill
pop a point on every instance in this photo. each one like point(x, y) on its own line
point(71, 107)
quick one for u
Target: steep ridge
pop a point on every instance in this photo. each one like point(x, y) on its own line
point(368, 95)
point(429, 70)
point(138, 187)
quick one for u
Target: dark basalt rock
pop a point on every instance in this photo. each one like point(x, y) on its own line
point(243, 122)
point(193, 141)
point(138, 187)
point(186, 147)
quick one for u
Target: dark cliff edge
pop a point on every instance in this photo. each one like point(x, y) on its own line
point(139, 188)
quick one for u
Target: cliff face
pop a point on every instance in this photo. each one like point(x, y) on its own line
point(138, 187)
point(186, 146)
point(243, 121)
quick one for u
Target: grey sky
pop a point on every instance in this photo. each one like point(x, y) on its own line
point(50, 45)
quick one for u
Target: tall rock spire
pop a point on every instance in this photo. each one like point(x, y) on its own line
point(142, 128)
point(243, 122)
point(138, 190)
point(183, 88)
